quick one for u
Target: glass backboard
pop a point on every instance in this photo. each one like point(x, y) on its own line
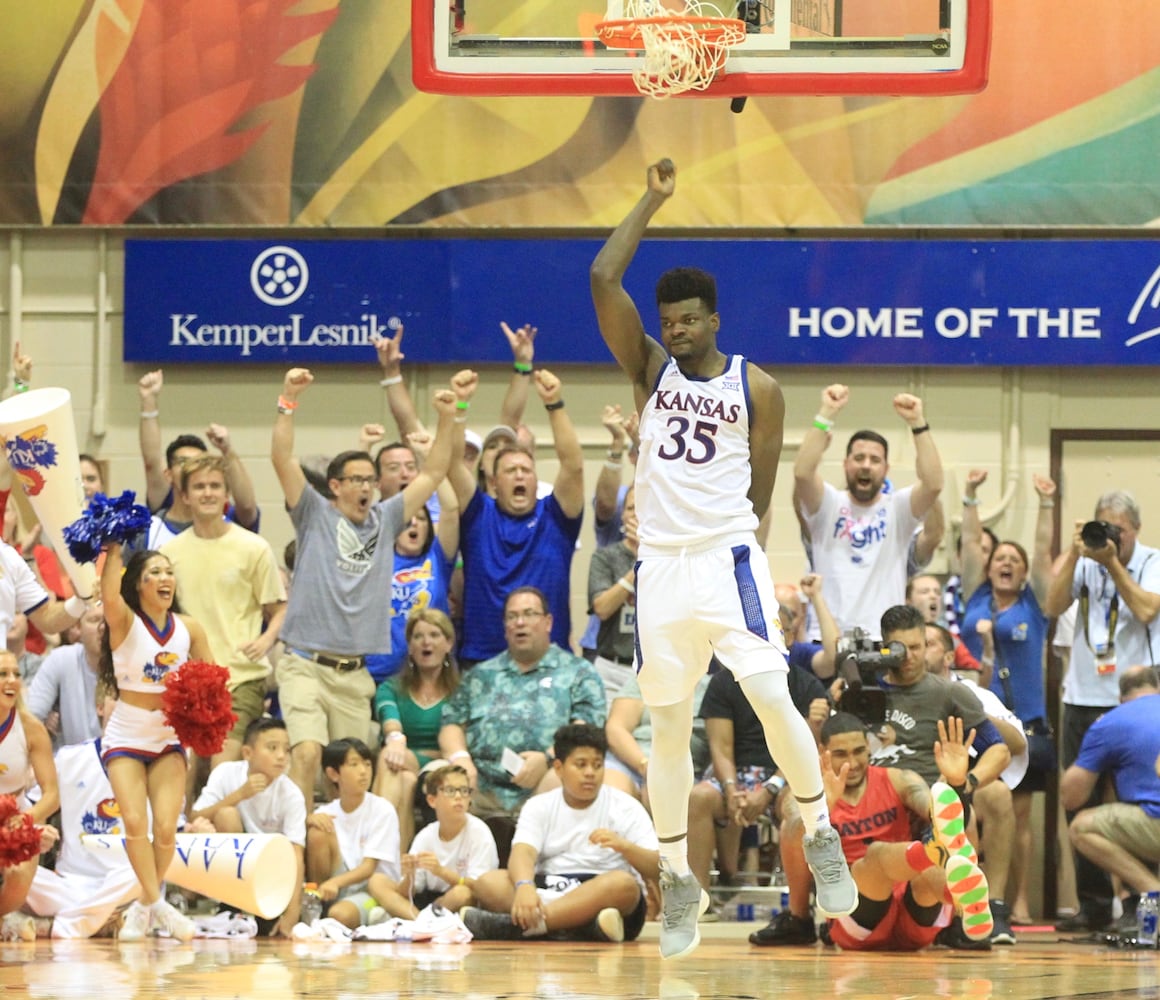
point(550, 47)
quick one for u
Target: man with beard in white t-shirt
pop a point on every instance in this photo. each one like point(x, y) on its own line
point(860, 536)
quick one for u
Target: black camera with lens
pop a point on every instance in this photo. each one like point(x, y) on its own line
point(861, 662)
point(1097, 534)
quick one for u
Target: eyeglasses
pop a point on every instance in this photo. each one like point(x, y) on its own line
point(459, 792)
point(358, 480)
point(530, 615)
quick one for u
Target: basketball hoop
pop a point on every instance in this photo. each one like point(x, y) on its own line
point(683, 50)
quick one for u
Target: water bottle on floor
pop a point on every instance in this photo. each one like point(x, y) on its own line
point(1147, 916)
point(311, 904)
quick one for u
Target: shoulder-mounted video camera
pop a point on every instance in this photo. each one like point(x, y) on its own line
point(861, 662)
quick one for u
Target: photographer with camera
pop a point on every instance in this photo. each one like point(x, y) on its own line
point(1116, 582)
point(860, 537)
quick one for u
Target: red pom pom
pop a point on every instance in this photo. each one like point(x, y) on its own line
point(197, 705)
point(19, 837)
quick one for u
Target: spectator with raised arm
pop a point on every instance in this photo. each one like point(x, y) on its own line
point(172, 514)
point(817, 658)
point(390, 351)
point(1005, 592)
point(424, 556)
point(343, 569)
point(1115, 581)
point(860, 536)
point(516, 539)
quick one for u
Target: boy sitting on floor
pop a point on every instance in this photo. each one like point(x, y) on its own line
point(580, 857)
point(255, 795)
point(352, 843)
point(447, 856)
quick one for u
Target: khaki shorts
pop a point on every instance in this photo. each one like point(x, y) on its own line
point(486, 804)
point(248, 701)
point(320, 704)
point(1129, 827)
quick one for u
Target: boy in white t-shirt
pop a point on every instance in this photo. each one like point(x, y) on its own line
point(255, 795)
point(447, 856)
point(352, 843)
point(579, 858)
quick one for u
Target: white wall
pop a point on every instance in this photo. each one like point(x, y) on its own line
point(52, 279)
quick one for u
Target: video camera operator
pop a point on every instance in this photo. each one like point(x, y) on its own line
point(916, 702)
point(1116, 581)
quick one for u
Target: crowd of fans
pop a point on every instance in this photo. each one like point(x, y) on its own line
point(457, 707)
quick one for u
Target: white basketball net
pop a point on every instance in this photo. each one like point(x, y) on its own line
point(679, 55)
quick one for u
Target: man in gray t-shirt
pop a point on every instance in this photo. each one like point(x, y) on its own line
point(343, 569)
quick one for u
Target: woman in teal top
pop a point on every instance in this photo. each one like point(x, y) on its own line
point(409, 706)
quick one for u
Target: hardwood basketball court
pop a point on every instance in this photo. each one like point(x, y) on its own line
point(1041, 966)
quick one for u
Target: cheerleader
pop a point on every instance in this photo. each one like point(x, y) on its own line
point(147, 638)
point(25, 760)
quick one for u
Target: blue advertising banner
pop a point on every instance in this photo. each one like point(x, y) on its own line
point(782, 302)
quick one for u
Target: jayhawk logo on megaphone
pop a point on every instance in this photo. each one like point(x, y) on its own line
point(28, 453)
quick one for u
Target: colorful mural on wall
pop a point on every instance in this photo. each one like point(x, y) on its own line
point(302, 113)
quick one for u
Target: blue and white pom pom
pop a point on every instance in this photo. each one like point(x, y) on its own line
point(105, 521)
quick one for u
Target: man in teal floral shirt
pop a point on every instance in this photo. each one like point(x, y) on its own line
point(515, 702)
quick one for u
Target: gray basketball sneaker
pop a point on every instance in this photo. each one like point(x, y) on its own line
point(834, 887)
point(682, 903)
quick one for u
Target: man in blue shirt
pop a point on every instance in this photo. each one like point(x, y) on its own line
point(1121, 838)
point(516, 540)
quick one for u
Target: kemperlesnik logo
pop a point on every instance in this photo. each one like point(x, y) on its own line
point(279, 276)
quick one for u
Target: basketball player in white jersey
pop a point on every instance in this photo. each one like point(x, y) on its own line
point(710, 439)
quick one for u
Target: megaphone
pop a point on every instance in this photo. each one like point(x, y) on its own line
point(255, 872)
point(41, 441)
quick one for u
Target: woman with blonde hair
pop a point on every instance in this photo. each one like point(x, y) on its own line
point(409, 706)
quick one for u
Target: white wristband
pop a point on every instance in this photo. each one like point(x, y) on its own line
point(971, 501)
point(150, 414)
point(392, 380)
point(622, 582)
point(458, 754)
point(76, 606)
point(396, 734)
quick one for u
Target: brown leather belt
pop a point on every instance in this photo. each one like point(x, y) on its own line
point(343, 664)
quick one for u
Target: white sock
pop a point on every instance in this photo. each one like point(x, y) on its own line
point(675, 855)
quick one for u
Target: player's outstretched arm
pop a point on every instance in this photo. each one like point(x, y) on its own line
point(620, 323)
